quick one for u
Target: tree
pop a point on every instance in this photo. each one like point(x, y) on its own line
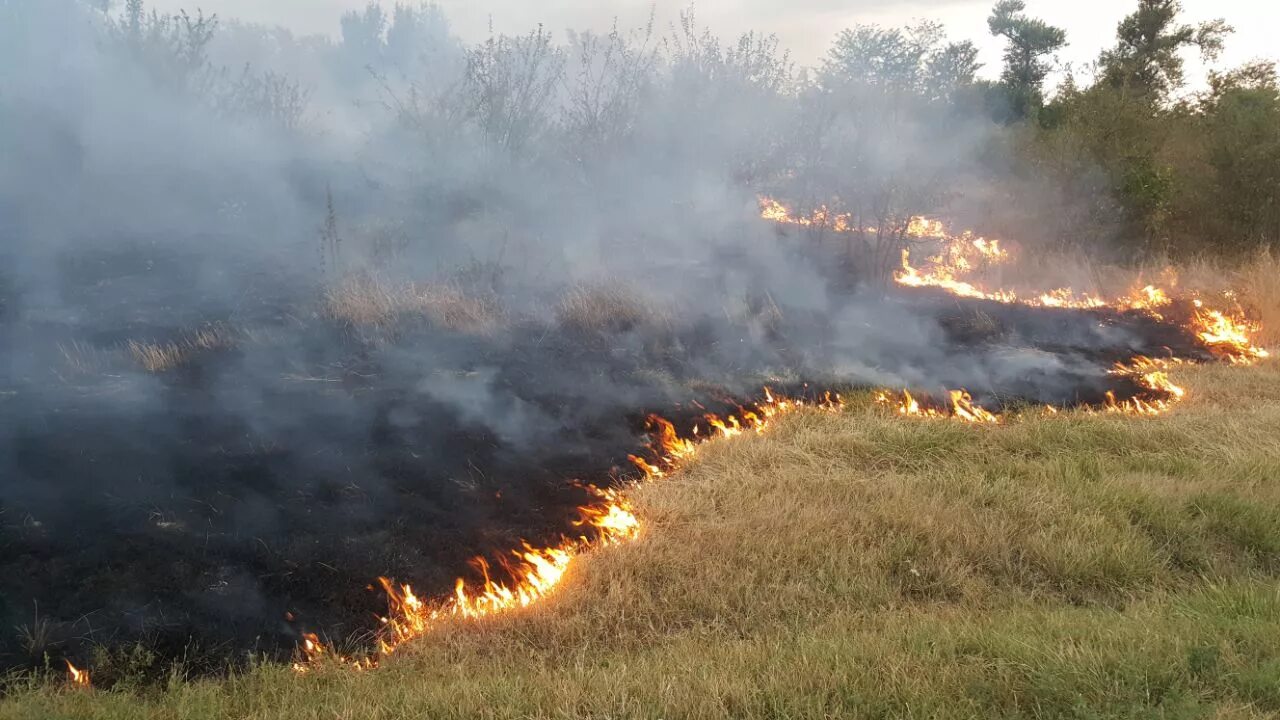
point(172, 49)
point(510, 83)
point(418, 36)
point(875, 57)
point(912, 60)
point(950, 70)
point(613, 76)
point(1031, 43)
point(362, 35)
point(1147, 58)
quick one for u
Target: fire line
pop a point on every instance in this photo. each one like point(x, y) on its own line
point(538, 570)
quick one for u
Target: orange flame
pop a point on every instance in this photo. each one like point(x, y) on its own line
point(1229, 337)
point(537, 571)
point(821, 218)
point(76, 676)
point(960, 407)
point(1226, 335)
point(1150, 374)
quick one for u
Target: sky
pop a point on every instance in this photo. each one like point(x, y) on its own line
point(805, 27)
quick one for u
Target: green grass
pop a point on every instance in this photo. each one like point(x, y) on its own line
point(862, 565)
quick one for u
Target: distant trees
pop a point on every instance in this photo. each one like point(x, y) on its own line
point(172, 49)
point(879, 137)
point(1133, 166)
point(895, 122)
point(1235, 206)
point(410, 42)
point(914, 60)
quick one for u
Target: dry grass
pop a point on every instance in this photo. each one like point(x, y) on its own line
point(366, 301)
point(606, 309)
point(162, 357)
point(862, 565)
point(1258, 285)
point(85, 360)
point(1255, 284)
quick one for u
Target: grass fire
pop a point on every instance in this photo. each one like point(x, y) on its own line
point(416, 368)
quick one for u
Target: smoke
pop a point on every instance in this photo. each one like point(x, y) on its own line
point(279, 315)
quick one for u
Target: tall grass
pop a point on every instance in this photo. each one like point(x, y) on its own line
point(369, 302)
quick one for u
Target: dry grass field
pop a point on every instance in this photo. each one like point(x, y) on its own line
point(866, 565)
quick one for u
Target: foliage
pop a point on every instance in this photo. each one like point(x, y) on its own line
point(511, 83)
point(1030, 45)
point(1147, 57)
point(914, 59)
point(1195, 175)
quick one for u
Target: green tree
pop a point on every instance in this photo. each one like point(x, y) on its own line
point(1028, 56)
point(913, 60)
point(1147, 58)
point(1237, 206)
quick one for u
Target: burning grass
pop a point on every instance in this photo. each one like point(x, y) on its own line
point(855, 565)
point(1226, 307)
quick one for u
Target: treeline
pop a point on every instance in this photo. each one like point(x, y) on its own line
point(1120, 159)
point(1124, 162)
point(1133, 162)
point(604, 136)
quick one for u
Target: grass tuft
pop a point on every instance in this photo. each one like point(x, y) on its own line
point(368, 302)
point(163, 357)
point(606, 310)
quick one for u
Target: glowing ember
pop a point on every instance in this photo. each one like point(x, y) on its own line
point(537, 571)
point(76, 676)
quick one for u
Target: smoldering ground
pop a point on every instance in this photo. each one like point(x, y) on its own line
point(264, 341)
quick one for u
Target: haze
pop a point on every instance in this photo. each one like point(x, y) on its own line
point(806, 27)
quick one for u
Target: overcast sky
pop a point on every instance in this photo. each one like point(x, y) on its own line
point(805, 26)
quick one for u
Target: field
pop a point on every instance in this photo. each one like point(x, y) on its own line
point(399, 369)
point(866, 565)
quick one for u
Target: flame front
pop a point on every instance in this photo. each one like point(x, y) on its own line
point(962, 258)
point(536, 571)
point(1228, 336)
point(1151, 375)
point(959, 405)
